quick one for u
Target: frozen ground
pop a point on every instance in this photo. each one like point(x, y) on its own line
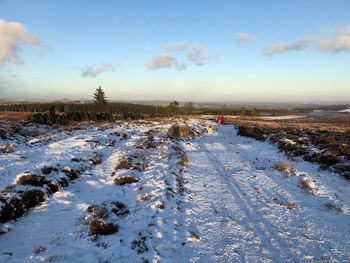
point(228, 204)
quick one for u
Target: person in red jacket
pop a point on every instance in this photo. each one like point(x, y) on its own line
point(220, 119)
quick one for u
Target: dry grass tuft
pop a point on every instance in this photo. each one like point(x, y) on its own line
point(177, 131)
point(308, 184)
point(124, 164)
point(97, 159)
point(7, 148)
point(291, 206)
point(125, 180)
point(145, 196)
point(194, 236)
point(101, 227)
point(283, 167)
point(184, 160)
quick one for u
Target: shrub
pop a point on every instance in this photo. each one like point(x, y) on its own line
point(38, 180)
point(124, 164)
point(100, 227)
point(97, 211)
point(119, 208)
point(15, 203)
point(252, 132)
point(125, 180)
point(328, 158)
point(176, 131)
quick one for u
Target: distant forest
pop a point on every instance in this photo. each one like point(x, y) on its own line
point(127, 110)
point(101, 109)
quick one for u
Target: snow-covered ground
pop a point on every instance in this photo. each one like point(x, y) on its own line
point(227, 205)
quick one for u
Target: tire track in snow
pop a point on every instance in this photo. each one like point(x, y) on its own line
point(240, 226)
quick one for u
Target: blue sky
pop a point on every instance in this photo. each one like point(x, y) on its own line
point(186, 50)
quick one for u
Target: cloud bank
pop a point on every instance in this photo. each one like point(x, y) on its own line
point(179, 55)
point(334, 41)
point(13, 36)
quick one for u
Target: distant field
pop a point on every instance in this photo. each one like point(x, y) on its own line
point(336, 122)
point(14, 115)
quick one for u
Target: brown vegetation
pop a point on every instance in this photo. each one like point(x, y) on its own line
point(15, 202)
point(177, 131)
point(7, 148)
point(283, 167)
point(97, 159)
point(184, 159)
point(308, 184)
point(124, 164)
point(97, 211)
point(38, 180)
point(14, 115)
point(324, 140)
point(101, 227)
point(125, 180)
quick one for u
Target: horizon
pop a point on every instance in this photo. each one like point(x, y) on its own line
point(295, 52)
point(213, 102)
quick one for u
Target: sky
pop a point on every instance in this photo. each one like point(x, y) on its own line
point(188, 50)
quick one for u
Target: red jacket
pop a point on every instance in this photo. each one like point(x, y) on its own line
point(220, 118)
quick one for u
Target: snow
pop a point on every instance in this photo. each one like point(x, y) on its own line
point(227, 205)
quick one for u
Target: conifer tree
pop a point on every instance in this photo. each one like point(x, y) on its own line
point(100, 101)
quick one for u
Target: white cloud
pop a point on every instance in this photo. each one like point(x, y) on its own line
point(196, 56)
point(334, 45)
point(244, 38)
point(275, 49)
point(179, 55)
point(165, 61)
point(13, 36)
point(94, 71)
point(161, 61)
point(332, 41)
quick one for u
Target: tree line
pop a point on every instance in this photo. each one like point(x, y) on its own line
point(101, 109)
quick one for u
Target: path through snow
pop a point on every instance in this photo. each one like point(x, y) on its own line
point(238, 205)
point(233, 209)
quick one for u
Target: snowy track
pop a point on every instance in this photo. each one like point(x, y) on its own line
point(237, 211)
point(228, 205)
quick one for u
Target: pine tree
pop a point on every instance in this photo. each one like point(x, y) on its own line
point(100, 101)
